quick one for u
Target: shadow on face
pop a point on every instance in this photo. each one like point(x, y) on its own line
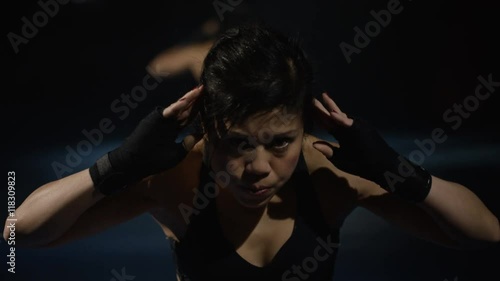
point(258, 156)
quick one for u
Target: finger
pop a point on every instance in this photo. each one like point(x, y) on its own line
point(183, 115)
point(321, 116)
point(178, 109)
point(339, 118)
point(324, 148)
point(189, 112)
point(188, 106)
point(342, 119)
point(192, 94)
point(332, 106)
point(320, 106)
point(185, 102)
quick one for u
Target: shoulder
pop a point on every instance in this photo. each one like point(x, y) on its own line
point(338, 192)
point(319, 166)
point(314, 159)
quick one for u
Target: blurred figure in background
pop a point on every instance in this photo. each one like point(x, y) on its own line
point(188, 55)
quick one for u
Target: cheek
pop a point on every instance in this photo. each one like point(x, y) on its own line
point(234, 167)
point(286, 165)
point(222, 161)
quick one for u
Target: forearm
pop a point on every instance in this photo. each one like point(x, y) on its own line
point(363, 152)
point(51, 209)
point(461, 214)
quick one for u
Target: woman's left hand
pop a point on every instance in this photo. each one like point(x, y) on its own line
point(331, 113)
point(365, 153)
point(331, 118)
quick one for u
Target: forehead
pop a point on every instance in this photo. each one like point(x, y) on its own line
point(277, 121)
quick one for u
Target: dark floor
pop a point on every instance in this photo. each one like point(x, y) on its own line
point(371, 249)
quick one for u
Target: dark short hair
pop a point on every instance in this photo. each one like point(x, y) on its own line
point(253, 69)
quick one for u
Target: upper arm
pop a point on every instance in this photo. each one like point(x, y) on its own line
point(405, 215)
point(107, 212)
point(371, 196)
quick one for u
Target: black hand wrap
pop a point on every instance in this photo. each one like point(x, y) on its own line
point(151, 148)
point(364, 152)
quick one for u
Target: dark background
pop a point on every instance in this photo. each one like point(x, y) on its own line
point(426, 60)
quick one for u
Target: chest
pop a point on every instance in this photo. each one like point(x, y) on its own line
point(257, 239)
point(257, 243)
point(225, 247)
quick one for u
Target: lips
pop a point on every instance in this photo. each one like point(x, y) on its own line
point(256, 190)
point(261, 187)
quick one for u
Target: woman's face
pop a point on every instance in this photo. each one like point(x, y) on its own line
point(259, 157)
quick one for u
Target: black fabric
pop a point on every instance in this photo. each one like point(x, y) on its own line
point(203, 253)
point(365, 153)
point(105, 179)
point(150, 148)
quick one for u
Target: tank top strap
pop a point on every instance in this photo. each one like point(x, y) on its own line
point(309, 208)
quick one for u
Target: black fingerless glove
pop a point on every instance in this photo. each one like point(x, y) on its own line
point(151, 148)
point(364, 152)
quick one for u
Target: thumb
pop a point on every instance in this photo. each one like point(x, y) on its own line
point(325, 148)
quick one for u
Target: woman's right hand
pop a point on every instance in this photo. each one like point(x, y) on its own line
point(151, 148)
point(182, 108)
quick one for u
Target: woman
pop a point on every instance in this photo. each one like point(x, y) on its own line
point(255, 196)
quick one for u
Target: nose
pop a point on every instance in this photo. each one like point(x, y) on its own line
point(258, 163)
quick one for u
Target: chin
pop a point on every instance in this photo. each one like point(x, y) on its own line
point(250, 205)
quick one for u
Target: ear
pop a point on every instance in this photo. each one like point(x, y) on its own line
point(190, 140)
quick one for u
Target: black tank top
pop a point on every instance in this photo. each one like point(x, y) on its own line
point(309, 254)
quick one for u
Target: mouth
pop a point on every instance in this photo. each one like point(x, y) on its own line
point(256, 191)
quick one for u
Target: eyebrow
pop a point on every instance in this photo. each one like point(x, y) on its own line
point(242, 135)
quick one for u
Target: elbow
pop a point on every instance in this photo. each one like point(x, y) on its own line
point(9, 231)
point(15, 234)
point(494, 238)
point(6, 234)
point(486, 241)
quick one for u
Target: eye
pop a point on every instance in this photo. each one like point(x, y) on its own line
point(238, 143)
point(282, 143)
